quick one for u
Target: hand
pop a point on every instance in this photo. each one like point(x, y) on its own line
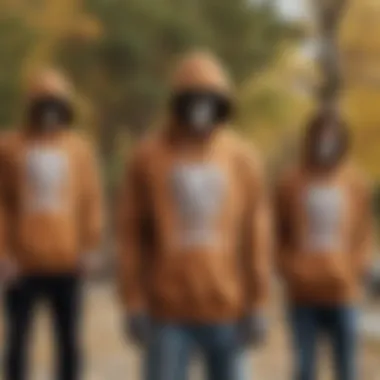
point(253, 329)
point(138, 329)
point(9, 271)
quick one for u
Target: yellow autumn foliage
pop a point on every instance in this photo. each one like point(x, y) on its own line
point(359, 44)
point(278, 101)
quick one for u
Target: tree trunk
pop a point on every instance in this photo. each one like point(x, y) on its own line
point(329, 14)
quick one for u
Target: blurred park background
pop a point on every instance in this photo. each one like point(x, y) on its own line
point(119, 52)
point(286, 56)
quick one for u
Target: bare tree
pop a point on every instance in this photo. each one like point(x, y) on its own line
point(328, 16)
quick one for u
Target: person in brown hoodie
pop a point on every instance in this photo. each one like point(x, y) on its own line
point(52, 197)
point(194, 232)
point(325, 240)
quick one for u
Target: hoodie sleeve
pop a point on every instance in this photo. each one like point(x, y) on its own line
point(6, 197)
point(130, 251)
point(258, 242)
point(363, 231)
point(282, 224)
point(3, 235)
point(91, 200)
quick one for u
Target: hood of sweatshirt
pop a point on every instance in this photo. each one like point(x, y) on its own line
point(199, 71)
point(321, 124)
point(48, 83)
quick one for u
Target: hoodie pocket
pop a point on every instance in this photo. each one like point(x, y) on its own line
point(326, 270)
point(44, 237)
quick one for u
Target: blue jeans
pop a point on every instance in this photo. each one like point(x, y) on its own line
point(339, 325)
point(171, 347)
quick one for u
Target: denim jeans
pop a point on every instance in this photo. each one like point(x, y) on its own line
point(63, 295)
point(339, 325)
point(171, 346)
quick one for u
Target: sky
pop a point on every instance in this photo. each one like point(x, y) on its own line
point(293, 8)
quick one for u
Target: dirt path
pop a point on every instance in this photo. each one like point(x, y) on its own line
point(110, 358)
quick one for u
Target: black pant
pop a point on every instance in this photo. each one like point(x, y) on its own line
point(62, 294)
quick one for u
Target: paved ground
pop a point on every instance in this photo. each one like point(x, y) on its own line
point(109, 358)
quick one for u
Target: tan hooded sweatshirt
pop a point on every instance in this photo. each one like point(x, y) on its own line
point(51, 191)
point(194, 234)
point(325, 233)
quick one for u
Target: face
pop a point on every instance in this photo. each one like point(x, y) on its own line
point(200, 111)
point(48, 113)
point(327, 146)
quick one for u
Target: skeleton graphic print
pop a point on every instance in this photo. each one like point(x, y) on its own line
point(324, 213)
point(198, 192)
point(47, 176)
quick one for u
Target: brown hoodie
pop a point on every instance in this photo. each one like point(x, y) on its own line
point(325, 233)
point(194, 222)
point(51, 191)
point(3, 225)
